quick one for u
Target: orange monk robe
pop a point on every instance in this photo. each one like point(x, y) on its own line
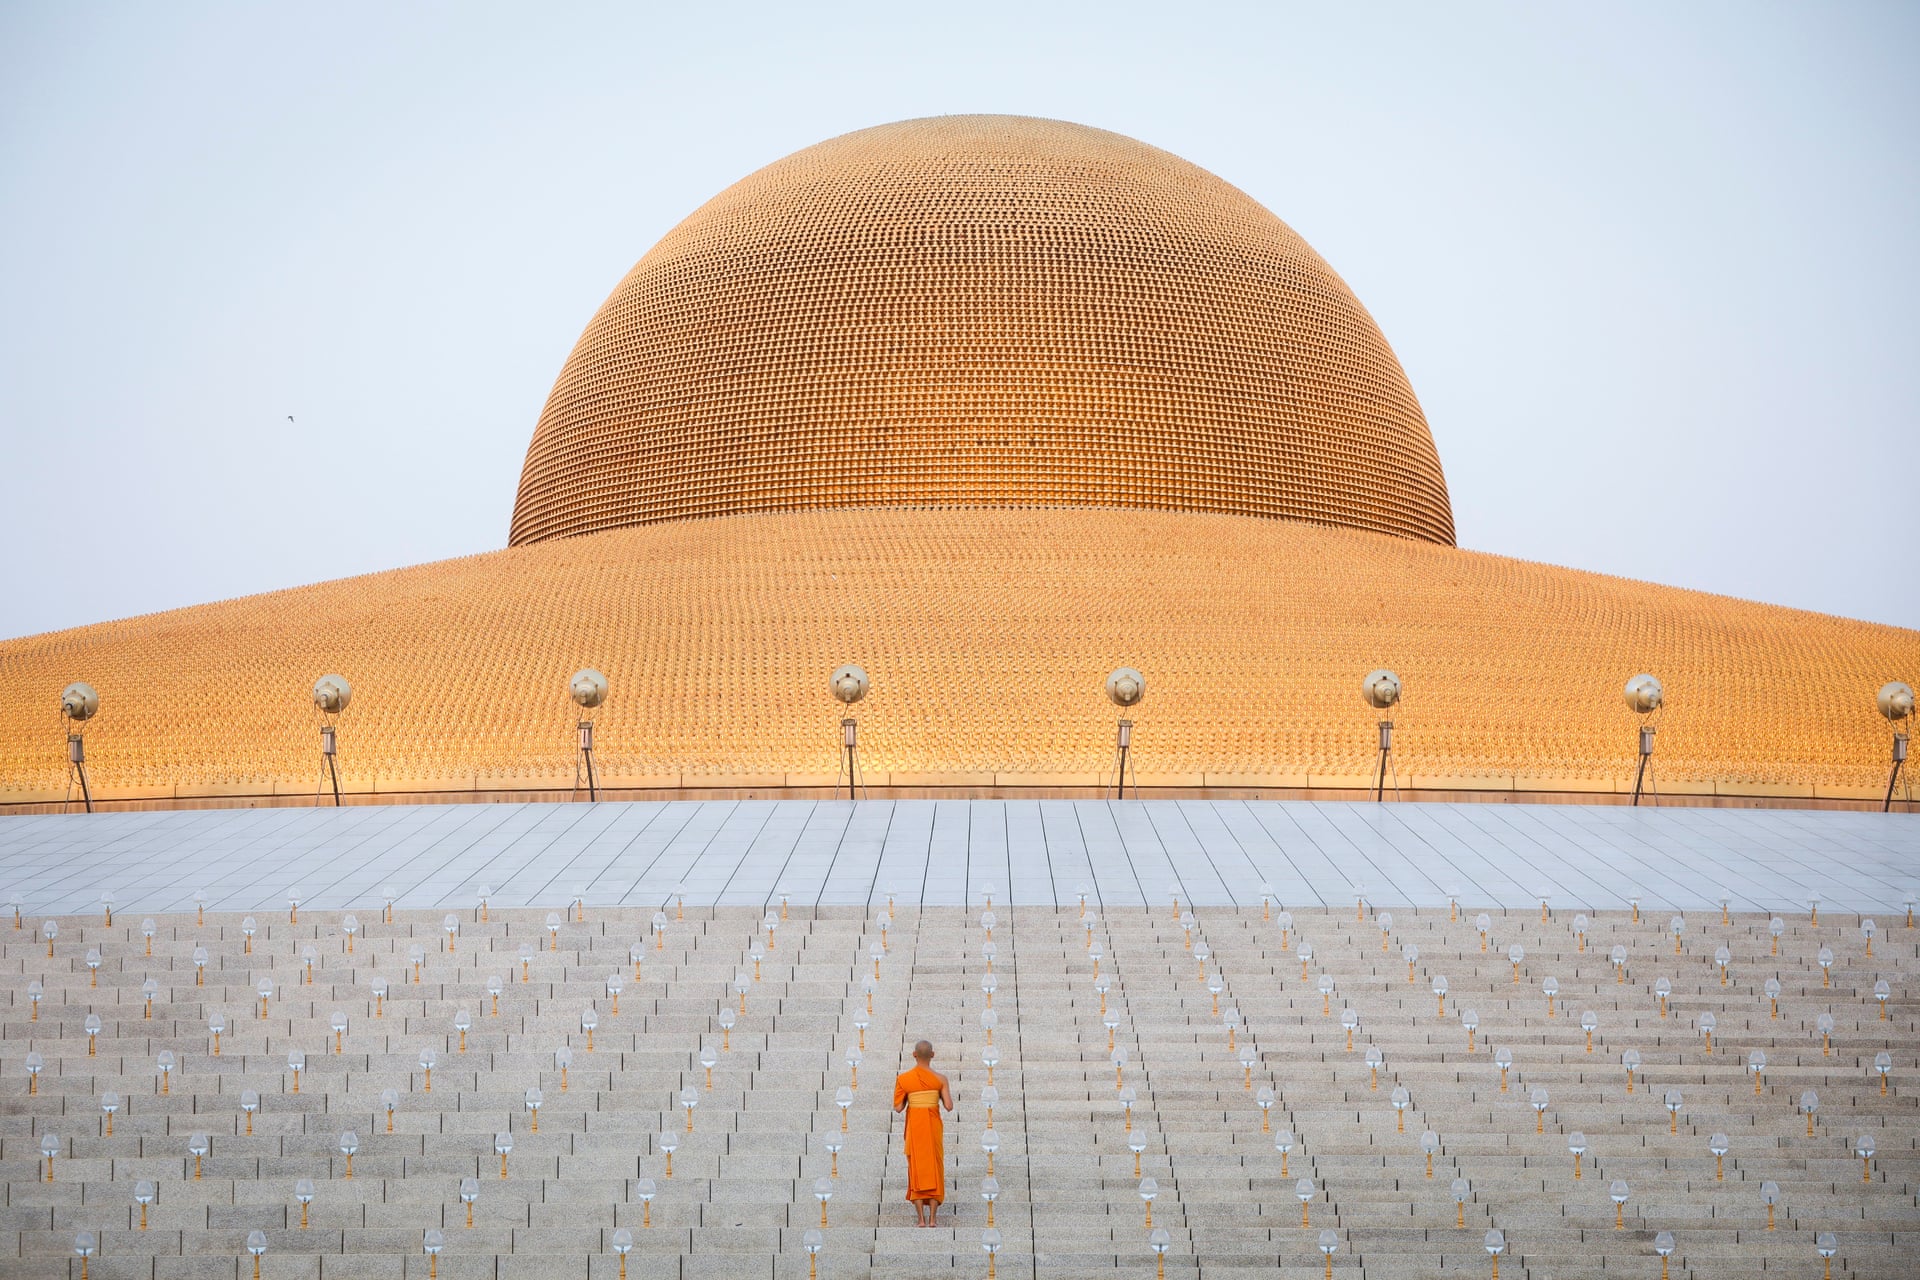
point(919, 1088)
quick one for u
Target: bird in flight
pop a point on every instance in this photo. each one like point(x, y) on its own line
point(289, 417)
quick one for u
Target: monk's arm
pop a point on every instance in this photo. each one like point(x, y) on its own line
point(946, 1093)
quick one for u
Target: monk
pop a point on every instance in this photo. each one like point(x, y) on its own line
point(920, 1093)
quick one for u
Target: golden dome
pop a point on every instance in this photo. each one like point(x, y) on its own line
point(982, 311)
point(969, 313)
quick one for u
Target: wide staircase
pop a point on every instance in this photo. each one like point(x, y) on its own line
point(1123, 1045)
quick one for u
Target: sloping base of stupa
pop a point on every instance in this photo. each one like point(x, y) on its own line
point(988, 634)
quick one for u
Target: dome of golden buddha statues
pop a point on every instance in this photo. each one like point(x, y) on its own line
point(989, 406)
point(982, 311)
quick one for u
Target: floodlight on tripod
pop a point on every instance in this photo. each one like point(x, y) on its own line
point(1381, 691)
point(78, 704)
point(1895, 700)
point(1645, 697)
point(849, 684)
point(1125, 687)
point(330, 697)
point(588, 689)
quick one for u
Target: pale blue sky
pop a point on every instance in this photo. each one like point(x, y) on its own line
point(1652, 269)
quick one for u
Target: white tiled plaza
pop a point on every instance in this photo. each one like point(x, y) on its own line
point(1333, 954)
point(944, 853)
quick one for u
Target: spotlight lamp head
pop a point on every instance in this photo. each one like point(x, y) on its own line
point(849, 683)
point(1644, 694)
point(78, 701)
point(1381, 689)
point(1895, 699)
point(331, 694)
point(1126, 687)
point(588, 688)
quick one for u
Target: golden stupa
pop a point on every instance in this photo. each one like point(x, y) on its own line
point(990, 406)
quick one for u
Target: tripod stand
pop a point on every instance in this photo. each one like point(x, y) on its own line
point(585, 761)
point(1386, 765)
point(849, 757)
point(1643, 776)
point(77, 764)
point(1123, 748)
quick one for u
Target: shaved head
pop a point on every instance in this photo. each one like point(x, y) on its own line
point(923, 1051)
